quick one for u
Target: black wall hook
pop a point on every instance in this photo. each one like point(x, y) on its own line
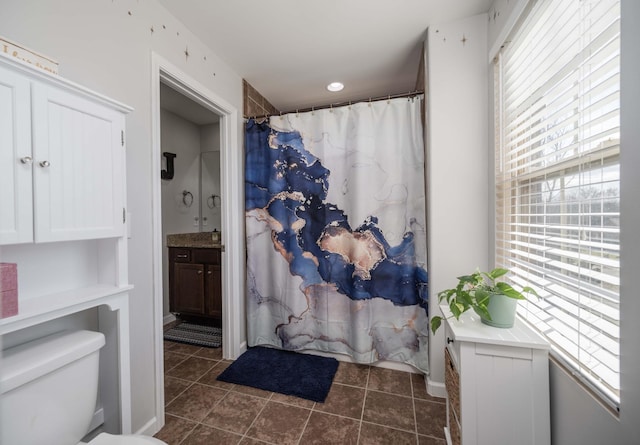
point(168, 173)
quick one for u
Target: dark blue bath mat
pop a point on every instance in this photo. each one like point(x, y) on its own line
point(301, 375)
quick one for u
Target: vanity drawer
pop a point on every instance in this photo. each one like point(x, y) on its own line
point(179, 255)
point(207, 256)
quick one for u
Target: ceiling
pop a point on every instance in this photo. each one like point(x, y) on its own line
point(289, 50)
point(184, 107)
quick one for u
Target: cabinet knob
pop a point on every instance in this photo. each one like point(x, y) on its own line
point(182, 256)
point(199, 272)
point(209, 272)
point(449, 340)
point(26, 160)
point(44, 164)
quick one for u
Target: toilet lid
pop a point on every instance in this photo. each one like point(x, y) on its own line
point(111, 439)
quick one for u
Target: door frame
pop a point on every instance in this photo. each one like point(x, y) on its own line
point(231, 181)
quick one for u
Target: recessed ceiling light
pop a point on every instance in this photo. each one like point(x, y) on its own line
point(335, 86)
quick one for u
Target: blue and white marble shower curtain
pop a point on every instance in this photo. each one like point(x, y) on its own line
point(336, 232)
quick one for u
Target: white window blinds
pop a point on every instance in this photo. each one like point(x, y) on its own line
point(558, 179)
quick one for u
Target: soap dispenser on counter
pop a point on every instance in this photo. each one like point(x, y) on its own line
point(215, 236)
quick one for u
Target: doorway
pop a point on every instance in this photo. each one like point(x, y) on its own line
point(190, 187)
point(231, 214)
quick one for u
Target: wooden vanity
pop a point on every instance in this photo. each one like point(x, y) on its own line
point(195, 278)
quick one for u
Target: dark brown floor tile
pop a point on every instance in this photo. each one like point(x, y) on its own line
point(380, 435)
point(168, 345)
point(206, 435)
point(175, 429)
point(389, 380)
point(428, 440)
point(209, 378)
point(389, 410)
point(235, 412)
point(251, 391)
point(327, 429)
point(420, 389)
point(195, 402)
point(210, 353)
point(171, 324)
point(250, 441)
point(343, 400)
point(279, 423)
point(184, 348)
point(173, 388)
point(431, 418)
point(352, 374)
point(192, 368)
point(172, 359)
point(292, 400)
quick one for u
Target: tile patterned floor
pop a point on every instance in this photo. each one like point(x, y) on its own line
point(366, 405)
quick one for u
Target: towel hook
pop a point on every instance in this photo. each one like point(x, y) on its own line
point(187, 198)
point(211, 201)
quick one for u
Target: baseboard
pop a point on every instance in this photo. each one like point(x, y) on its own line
point(150, 428)
point(436, 389)
point(168, 319)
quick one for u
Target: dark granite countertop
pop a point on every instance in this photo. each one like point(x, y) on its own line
point(198, 240)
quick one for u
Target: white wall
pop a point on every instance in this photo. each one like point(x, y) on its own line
point(181, 137)
point(106, 45)
point(457, 169)
point(210, 177)
point(576, 416)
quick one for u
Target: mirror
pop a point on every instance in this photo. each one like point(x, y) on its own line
point(210, 193)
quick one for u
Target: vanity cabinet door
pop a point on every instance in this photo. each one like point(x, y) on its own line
point(188, 288)
point(195, 282)
point(213, 287)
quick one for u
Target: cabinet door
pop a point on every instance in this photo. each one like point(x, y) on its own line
point(78, 151)
point(214, 291)
point(16, 217)
point(188, 288)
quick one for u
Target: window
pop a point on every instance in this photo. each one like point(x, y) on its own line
point(558, 180)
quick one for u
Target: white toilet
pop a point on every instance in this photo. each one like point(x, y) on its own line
point(48, 392)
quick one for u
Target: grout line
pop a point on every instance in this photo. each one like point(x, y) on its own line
point(244, 435)
point(190, 431)
point(305, 426)
point(413, 403)
point(388, 427)
point(364, 403)
point(179, 394)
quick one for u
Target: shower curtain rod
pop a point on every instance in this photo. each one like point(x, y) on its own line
point(341, 104)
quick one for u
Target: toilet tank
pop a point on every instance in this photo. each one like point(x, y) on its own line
point(48, 389)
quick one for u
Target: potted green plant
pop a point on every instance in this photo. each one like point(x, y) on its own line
point(494, 301)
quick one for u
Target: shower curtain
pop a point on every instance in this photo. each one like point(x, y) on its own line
point(336, 232)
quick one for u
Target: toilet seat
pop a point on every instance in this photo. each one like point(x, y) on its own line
point(111, 439)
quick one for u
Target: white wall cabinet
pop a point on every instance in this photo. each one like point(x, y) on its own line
point(16, 193)
point(62, 163)
point(497, 383)
point(62, 178)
